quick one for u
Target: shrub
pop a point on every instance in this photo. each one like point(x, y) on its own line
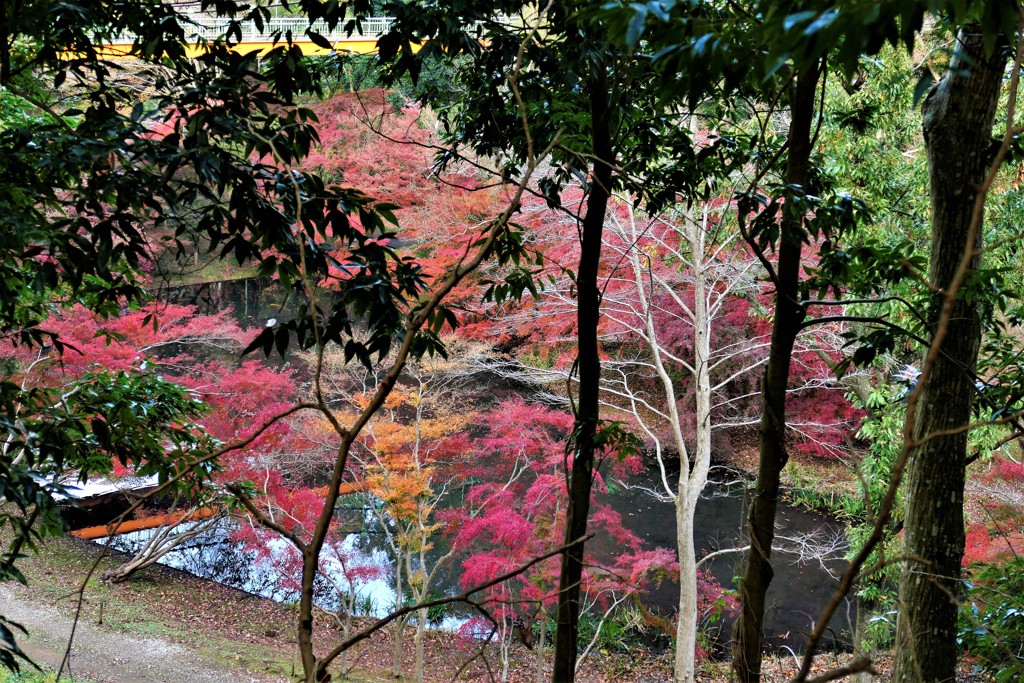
point(992, 621)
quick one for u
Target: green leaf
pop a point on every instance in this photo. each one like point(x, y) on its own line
point(637, 23)
point(101, 431)
point(924, 84)
point(823, 21)
point(796, 19)
point(660, 9)
point(264, 339)
point(319, 40)
point(281, 341)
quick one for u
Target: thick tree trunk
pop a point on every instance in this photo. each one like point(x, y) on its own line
point(748, 633)
point(958, 119)
point(589, 368)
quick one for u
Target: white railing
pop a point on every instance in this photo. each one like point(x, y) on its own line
point(212, 28)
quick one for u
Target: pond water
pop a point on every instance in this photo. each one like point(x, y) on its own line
point(799, 591)
point(804, 572)
point(252, 301)
point(273, 572)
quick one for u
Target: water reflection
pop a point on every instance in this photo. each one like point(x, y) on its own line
point(359, 570)
point(802, 585)
point(356, 574)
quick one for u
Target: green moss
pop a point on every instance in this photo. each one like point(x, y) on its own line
point(215, 270)
point(33, 676)
point(252, 658)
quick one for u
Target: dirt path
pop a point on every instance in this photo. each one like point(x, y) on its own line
point(103, 655)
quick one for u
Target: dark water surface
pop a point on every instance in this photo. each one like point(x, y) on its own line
point(798, 593)
point(800, 589)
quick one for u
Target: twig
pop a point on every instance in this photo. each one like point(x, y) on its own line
point(859, 665)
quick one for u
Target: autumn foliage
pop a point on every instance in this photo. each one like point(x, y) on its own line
point(482, 475)
point(517, 512)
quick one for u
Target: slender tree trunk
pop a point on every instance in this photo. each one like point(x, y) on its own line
point(589, 368)
point(305, 629)
point(421, 631)
point(748, 633)
point(692, 481)
point(863, 645)
point(346, 631)
point(958, 119)
point(505, 649)
point(399, 642)
point(5, 51)
point(541, 644)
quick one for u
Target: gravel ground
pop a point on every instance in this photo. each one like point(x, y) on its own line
point(99, 654)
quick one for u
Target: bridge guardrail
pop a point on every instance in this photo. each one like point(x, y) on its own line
point(211, 27)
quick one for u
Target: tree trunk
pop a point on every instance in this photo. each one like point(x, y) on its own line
point(346, 631)
point(589, 368)
point(421, 631)
point(540, 646)
point(686, 627)
point(748, 633)
point(958, 119)
point(396, 653)
point(692, 481)
point(313, 672)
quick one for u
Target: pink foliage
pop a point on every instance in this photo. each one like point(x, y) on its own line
point(166, 333)
point(1008, 470)
point(544, 329)
point(517, 512)
point(640, 566)
point(713, 600)
point(977, 543)
point(184, 347)
point(385, 152)
point(243, 399)
point(367, 143)
point(982, 546)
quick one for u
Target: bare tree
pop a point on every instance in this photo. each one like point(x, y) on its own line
point(678, 277)
point(714, 271)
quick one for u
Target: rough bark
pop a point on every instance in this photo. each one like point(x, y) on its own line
point(748, 633)
point(958, 119)
point(589, 369)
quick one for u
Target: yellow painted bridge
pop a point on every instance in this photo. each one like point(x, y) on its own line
point(205, 27)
